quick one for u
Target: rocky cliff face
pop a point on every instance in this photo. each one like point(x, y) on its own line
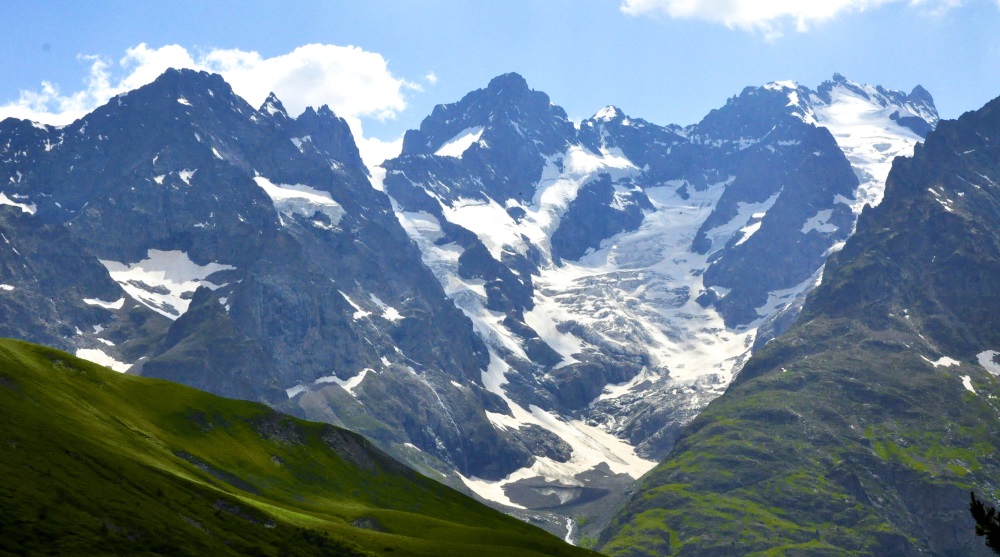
point(864, 427)
point(243, 252)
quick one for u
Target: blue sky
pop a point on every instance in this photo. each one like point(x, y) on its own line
point(668, 61)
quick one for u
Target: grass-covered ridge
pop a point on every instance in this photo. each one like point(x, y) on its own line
point(851, 444)
point(94, 462)
point(861, 430)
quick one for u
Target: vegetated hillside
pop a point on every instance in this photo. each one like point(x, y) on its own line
point(862, 430)
point(95, 462)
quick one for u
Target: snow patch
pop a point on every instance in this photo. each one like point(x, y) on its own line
point(358, 312)
point(591, 445)
point(468, 295)
point(299, 141)
point(6, 287)
point(749, 230)
point(377, 177)
point(117, 304)
point(607, 114)
point(778, 300)
point(819, 223)
point(349, 384)
point(489, 490)
point(943, 361)
point(562, 178)
point(299, 199)
point(967, 383)
point(987, 359)
point(746, 222)
point(457, 145)
point(186, 175)
point(29, 208)
point(296, 390)
point(389, 313)
point(98, 356)
point(164, 281)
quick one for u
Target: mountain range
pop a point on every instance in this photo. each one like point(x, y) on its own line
point(527, 308)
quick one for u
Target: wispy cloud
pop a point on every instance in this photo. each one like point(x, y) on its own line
point(769, 17)
point(355, 83)
point(432, 77)
point(937, 8)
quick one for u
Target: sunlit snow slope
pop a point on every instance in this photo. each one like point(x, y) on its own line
point(871, 124)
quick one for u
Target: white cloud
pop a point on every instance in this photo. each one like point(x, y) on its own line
point(374, 151)
point(355, 83)
point(432, 77)
point(937, 8)
point(770, 16)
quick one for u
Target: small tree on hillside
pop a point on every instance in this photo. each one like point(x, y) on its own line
point(987, 523)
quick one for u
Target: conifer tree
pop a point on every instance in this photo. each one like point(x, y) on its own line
point(987, 523)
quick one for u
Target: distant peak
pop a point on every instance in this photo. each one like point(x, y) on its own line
point(781, 86)
point(508, 81)
point(186, 78)
point(322, 112)
point(609, 113)
point(920, 95)
point(326, 111)
point(186, 86)
point(273, 106)
point(839, 78)
point(182, 72)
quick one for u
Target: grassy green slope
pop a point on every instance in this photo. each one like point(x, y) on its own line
point(93, 462)
point(862, 429)
point(851, 445)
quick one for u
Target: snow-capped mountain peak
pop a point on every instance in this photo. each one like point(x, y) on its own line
point(871, 124)
point(609, 113)
point(783, 85)
point(273, 107)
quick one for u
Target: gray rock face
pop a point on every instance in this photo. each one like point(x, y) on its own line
point(243, 252)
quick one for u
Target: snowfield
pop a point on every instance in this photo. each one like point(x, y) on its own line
point(163, 281)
